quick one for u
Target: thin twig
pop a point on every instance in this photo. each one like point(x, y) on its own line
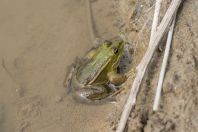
point(149, 9)
point(155, 19)
point(164, 25)
point(163, 68)
point(138, 37)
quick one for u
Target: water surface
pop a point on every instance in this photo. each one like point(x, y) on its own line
point(38, 40)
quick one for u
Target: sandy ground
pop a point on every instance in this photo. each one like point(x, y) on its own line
point(39, 39)
point(178, 106)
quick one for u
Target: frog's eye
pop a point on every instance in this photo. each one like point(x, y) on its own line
point(115, 50)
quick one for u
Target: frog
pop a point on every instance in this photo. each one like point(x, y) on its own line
point(95, 76)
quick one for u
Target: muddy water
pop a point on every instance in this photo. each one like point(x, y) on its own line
point(38, 40)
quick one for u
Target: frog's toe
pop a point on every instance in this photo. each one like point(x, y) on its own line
point(82, 95)
point(113, 87)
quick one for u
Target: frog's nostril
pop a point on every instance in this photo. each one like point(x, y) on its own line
point(108, 43)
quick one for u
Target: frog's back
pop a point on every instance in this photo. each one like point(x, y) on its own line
point(89, 71)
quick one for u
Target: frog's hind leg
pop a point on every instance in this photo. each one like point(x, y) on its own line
point(71, 70)
point(68, 78)
point(92, 95)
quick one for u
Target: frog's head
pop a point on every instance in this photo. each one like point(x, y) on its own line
point(116, 49)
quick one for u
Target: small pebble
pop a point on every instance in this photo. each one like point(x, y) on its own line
point(20, 92)
point(58, 98)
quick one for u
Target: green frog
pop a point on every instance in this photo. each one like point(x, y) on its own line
point(92, 77)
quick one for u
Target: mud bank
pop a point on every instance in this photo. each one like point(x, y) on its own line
point(178, 106)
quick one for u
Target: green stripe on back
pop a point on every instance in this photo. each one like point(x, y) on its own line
point(92, 69)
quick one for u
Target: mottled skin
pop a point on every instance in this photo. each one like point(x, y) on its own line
point(92, 75)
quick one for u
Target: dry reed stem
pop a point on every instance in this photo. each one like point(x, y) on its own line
point(155, 19)
point(161, 30)
point(163, 68)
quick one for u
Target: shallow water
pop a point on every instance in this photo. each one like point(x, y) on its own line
point(39, 39)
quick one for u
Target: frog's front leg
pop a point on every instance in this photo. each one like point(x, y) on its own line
point(90, 93)
point(116, 78)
